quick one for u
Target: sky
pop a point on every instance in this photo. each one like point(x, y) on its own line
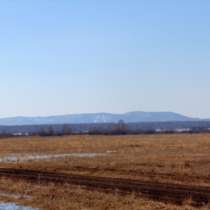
point(67, 56)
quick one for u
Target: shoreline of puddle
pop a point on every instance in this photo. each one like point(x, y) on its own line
point(28, 157)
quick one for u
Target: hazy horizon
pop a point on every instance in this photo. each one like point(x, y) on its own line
point(65, 114)
point(65, 57)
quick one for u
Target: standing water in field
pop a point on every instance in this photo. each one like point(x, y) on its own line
point(36, 157)
point(13, 206)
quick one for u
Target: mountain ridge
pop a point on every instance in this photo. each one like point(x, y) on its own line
point(101, 117)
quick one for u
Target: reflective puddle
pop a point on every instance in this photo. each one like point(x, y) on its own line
point(13, 206)
point(25, 158)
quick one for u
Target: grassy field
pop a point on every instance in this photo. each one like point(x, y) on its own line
point(68, 197)
point(177, 158)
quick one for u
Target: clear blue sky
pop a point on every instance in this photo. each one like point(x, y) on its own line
point(73, 56)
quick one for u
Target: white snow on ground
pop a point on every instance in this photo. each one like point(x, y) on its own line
point(13, 206)
point(28, 157)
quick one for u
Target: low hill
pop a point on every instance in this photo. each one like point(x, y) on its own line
point(130, 117)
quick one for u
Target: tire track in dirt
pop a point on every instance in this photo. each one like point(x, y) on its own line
point(166, 192)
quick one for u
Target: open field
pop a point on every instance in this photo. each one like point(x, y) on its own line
point(178, 158)
point(70, 197)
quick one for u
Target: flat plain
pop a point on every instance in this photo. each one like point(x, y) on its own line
point(164, 158)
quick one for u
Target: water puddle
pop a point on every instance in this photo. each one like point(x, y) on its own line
point(13, 206)
point(27, 157)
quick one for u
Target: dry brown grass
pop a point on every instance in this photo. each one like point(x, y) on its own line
point(69, 197)
point(179, 158)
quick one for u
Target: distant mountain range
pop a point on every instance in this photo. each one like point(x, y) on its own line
point(130, 117)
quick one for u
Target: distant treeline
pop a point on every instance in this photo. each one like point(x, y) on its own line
point(119, 128)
